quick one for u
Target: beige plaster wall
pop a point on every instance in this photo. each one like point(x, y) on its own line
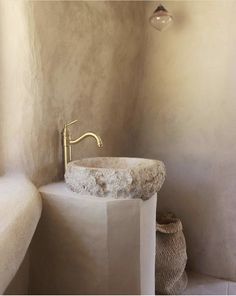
point(185, 116)
point(20, 283)
point(63, 60)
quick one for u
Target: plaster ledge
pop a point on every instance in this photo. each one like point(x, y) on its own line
point(20, 210)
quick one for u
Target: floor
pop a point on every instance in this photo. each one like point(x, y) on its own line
point(206, 285)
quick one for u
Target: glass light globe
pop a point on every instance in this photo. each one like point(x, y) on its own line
point(161, 19)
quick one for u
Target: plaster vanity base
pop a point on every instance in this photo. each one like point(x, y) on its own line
point(93, 245)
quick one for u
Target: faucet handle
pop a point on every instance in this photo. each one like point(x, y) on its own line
point(70, 123)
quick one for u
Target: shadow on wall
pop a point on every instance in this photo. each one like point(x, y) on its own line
point(1, 92)
point(192, 197)
point(127, 62)
point(181, 18)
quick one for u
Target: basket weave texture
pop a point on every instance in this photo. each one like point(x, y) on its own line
point(171, 255)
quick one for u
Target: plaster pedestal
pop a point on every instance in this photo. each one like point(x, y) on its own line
point(91, 245)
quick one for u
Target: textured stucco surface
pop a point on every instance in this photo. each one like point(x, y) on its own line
point(91, 60)
point(62, 60)
point(186, 118)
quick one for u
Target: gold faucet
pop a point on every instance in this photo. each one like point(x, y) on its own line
point(67, 142)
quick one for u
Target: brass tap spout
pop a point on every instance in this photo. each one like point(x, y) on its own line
point(89, 134)
point(67, 142)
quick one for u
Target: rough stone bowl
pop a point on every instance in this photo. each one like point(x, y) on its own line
point(117, 177)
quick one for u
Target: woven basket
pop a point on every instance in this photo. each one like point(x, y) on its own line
point(171, 256)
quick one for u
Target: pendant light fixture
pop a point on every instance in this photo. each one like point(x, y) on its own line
point(161, 19)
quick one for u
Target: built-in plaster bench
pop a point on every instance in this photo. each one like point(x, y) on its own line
point(20, 210)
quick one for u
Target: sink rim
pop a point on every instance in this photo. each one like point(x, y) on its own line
point(130, 163)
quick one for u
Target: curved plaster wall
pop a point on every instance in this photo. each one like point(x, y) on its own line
point(91, 60)
point(62, 60)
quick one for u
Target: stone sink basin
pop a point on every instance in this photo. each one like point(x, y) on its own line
point(116, 177)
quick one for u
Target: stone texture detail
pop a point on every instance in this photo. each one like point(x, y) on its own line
point(116, 177)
